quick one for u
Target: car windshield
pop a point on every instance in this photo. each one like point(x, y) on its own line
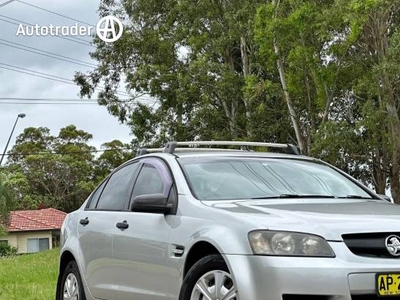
point(263, 178)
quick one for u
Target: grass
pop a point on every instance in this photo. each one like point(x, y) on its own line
point(29, 277)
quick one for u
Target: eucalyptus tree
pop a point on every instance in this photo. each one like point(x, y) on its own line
point(197, 58)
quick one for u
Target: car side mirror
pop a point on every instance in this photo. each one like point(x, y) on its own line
point(385, 197)
point(151, 203)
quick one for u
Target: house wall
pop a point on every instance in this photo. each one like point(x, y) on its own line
point(11, 238)
point(20, 239)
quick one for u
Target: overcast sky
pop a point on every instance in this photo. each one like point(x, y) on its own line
point(92, 117)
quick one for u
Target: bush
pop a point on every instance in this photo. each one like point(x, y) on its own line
point(7, 250)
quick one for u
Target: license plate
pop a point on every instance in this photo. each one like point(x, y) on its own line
point(388, 284)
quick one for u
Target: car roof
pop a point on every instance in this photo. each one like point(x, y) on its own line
point(229, 153)
point(204, 153)
point(196, 149)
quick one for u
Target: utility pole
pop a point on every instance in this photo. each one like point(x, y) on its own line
point(21, 115)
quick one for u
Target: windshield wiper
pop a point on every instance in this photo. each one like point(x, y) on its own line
point(354, 197)
point(304, 196)
point(286, 196)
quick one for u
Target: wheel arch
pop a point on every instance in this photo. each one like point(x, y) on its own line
point(198, 250)
point(65, 258)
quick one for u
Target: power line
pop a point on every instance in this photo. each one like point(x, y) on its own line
point(37, 72)
point(61, 37)
point(54, 13)
point(67, 59)
point(67, 152)
point(53, 99)
point(71, 39)
point(62, 103)
point(15, 23)
point(35, 75)
point(19, 22)
point(47, 76)
point(7, 2)
point(53, 55)
point(54, 78)
point(46, 103)
point(46, 53)
point(68, 101)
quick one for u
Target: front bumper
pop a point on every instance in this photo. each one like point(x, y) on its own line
point(346, 277)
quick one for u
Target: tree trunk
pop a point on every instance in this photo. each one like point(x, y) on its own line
point(379, 24)
point(230, 108)
point(379, 175)
point(395, 131)
point(180, 130)
point(246, 72)
point(394, 177)
point(394, 123)
point(293, 115)
point(230, 113)
point(329, 99)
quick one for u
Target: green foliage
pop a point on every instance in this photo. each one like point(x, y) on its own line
point(234, 69)
point(61, 171)
point(340, 59)
point(195, 58)
point(6, 202)
point(115, 153)
point(7, 250)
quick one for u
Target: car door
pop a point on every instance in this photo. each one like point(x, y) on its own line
point(96, 228)
point(140, 249)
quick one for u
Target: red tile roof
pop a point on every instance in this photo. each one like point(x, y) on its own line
point(31, 220)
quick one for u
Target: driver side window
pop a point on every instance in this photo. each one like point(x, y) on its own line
point(149, 181)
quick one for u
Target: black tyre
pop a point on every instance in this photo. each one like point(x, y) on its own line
point(71, 287)
point(209, 278)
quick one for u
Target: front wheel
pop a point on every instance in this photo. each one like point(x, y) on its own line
point(71, 283)
point(209, 279)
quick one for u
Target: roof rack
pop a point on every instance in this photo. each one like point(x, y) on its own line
point(171, 147)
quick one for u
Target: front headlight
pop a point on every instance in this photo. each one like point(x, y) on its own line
point(289, 244)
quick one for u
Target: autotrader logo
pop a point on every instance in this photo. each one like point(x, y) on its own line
point(109, 29)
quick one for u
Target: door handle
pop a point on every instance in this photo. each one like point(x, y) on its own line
point(122, 225)
point(84, 221)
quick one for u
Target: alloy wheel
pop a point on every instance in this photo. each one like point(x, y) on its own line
point(214, 285)
point(71, 288)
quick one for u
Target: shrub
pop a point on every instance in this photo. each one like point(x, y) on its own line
point(7, 250)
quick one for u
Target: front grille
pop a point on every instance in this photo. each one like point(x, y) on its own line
point(373, 297)
point(369, 244)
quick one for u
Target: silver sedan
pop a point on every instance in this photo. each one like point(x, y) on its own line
point(211, 224)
